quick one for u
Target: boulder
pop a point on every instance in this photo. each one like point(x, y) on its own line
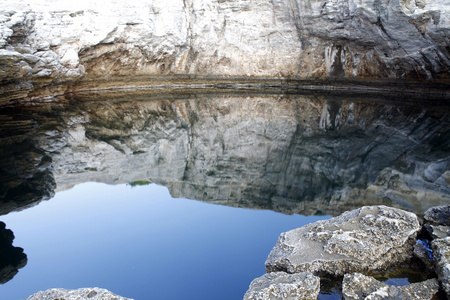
point(438, 215)
point(79, 294)
point(437, 231)
point(280, 285)
point(357, 286)
point(368, 239)
point(441, 252)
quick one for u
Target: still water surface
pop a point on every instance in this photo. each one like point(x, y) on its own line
point(141, 243)
point(253, 165)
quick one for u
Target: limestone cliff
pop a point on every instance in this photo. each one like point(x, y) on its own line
point(288, 153)
point(46, 43)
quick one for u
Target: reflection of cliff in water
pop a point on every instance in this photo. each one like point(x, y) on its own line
point(11, 258)
point(288, 153)
point(25, 170)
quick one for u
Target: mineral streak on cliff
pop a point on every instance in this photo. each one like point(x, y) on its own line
point(287, 153)
point(46, 46)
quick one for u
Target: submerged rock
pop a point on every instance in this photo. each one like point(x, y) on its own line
point(369, 239)
point(79, 294)
point(357, 286)
point(280, 285)
point(441, 252)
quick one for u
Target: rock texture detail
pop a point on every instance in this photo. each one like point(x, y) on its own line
point(44, 42)
point(357, 286)
point(437, 225)
point(280, 285)
point(368, 239)
point(441, 248)
point(79, 294)
point(439, 215)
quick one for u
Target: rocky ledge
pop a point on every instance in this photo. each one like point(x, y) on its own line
point(369, 241)
point(79, 294)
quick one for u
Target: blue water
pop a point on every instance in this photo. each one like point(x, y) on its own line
point(141, 243)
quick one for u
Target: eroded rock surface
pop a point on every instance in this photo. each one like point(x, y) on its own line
point(438, 215)
point(357, 286)
point(280, 285)
point(441, 252)
point(368, 239)
point(79, 294)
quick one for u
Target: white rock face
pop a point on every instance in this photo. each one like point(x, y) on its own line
point(283, 38)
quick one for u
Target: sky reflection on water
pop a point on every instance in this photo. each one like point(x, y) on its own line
point(302, 154)
point(141, 243)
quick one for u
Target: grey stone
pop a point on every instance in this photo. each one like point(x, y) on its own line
point(280, 285)
point(438, 215)
point(371, 238)
point(42, 46)
point(357, 286)
point(437, 231)
point(423, 251)
point(44, 73)
point(10, 57)
point(441, 252)
point(79, 294)
point(23, 50)
point(30, 58)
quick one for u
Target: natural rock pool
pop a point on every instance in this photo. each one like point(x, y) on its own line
point(119, 169)
point(141, 243)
